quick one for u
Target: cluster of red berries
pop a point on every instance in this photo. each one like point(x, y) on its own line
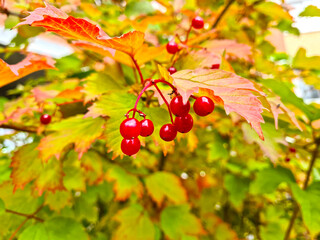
point(131, 128)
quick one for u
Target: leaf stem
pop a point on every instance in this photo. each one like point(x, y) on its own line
point(165, 100)
point(225, 9)
point(305, 185)
point(139, 70)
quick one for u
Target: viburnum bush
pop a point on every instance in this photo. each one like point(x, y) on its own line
point(168, 120)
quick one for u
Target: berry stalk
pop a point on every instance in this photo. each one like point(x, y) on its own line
point(139, 70)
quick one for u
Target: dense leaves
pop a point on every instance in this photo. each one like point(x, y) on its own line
point(248, 170)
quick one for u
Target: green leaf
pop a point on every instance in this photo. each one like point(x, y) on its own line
point(58, 200)
point(273, 10)
point(301, 61)
point(275, 224)
point(164, 184)
point(55, 229)
point(310, 11)
point(267, 180)
point(27, 166)
point(35, 232)
point(136, 8)
point(2, 207)
point(237, 188)
point(85, 210)
point(124, 183)
point(99, 83)
point(287, 96)
point(134, 222)
point(309, 203)
point(78, 130)
point(177, 222)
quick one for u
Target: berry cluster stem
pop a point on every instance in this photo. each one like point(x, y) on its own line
point(165, 100)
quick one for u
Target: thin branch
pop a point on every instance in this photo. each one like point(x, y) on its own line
point(25, 221)
point(10, 13)
point(25, 215)
point(30, 129)
point(305, 185)
point(139, 70)
point(222, 13)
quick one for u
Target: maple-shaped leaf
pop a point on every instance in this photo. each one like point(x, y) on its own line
point(231, 48)
point(27, 166)
point(237, 93)
point(78, 130)
point(32, 63)
point(178, 223)
point(55, 20)
point(164, 184)
point(134, 221)
point(124, 183)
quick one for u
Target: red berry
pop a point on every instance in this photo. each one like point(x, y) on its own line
point(292, 150)
point(203, 106)
point(184, 124)
point(130, 146)
point(179, 108)
point(287, 159)
point(45, 119)
point(130, 128)
point(168, 132)
point(197, 22)
point(215, 66)
point(172, 70)
point(172, 47)
point(146, 127)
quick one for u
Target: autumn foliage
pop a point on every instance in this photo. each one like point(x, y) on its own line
point(245, 171)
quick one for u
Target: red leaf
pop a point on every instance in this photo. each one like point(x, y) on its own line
point(32, 63)
point(235, 91)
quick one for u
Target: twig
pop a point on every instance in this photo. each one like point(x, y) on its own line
point(139, 70)
point(25, 215)
point(305, 185)
point(222, 13)
point(30, 129)
point(8, 13)
point(26, 220)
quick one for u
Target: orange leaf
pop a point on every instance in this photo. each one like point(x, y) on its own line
point(32, 63)
point(55, 20)
point(235, 91)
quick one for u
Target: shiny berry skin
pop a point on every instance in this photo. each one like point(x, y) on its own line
point(130, 146)
point(184, 124)
point(45, 119)
point(179, 108)
point(130, 128)
point(292, 150)
point(197, 22)
point(172, 70)
point(203, 106)
point(215, 66)
point(172, 47)
point(146, 127)
point(168, 132)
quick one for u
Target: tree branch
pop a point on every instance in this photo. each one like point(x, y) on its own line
point(25, 215)
point(222, 13)
point(9, 13)
point(30, 129)
point(305, 185)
